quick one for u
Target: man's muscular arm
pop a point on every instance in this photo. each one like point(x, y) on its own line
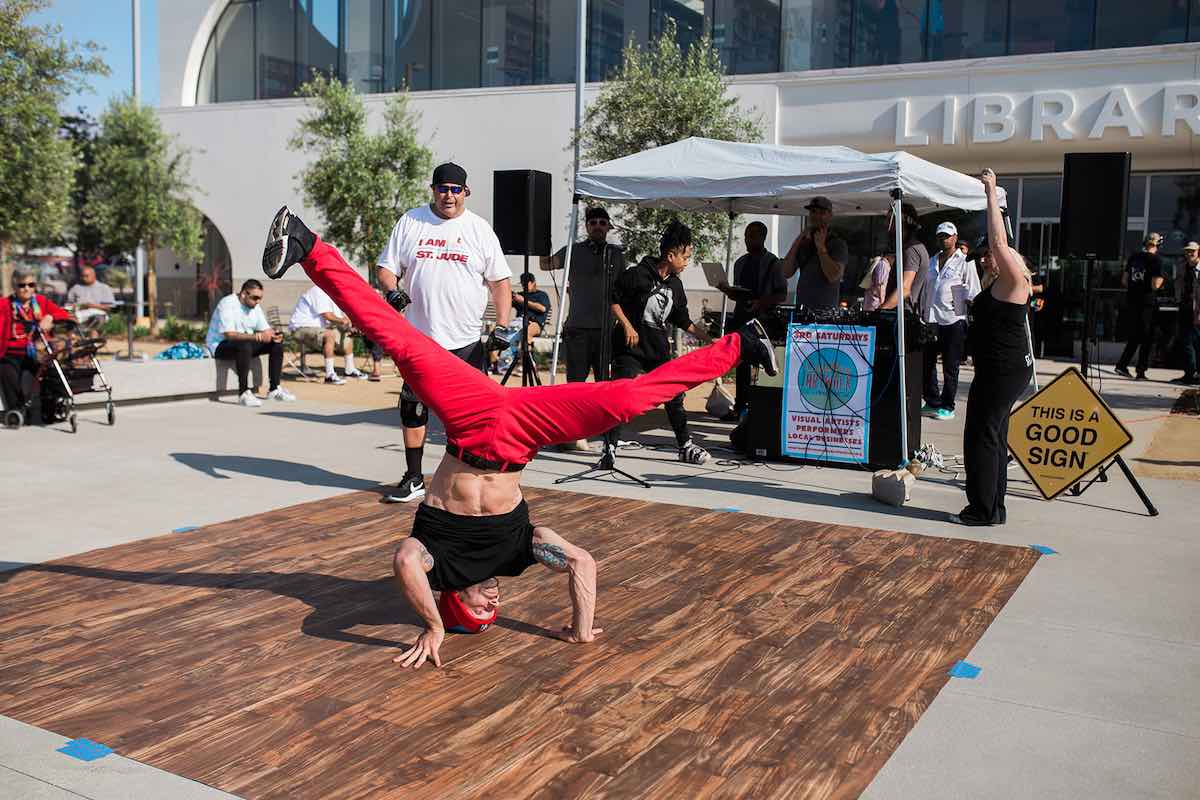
point(501, 292)
point(561, 556)
point(411, 563)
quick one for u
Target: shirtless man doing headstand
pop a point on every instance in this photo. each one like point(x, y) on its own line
point(474, 523)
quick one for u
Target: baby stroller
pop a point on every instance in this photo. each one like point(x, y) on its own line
point(62, 373)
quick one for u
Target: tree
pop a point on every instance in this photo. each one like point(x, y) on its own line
point(79, 235)
point(658, 96)
point(359, 182)
point(140, 190)
point(37, 71)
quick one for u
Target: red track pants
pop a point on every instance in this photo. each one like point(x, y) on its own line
point(506, 425)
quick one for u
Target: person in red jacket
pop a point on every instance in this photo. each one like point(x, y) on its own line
point(20, 311)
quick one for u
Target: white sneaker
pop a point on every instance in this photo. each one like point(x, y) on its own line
point(692, 453)
point(353, 373)
point(248, 399)
point(334, 380)
point(281, 394)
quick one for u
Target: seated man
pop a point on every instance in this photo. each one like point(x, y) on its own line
point(318, 323)
point(92, 299)
point(533, 305)
point(238, 332)
point(474, 524)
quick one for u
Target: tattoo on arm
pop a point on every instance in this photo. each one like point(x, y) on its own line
point(551, 555)
point(426, 559)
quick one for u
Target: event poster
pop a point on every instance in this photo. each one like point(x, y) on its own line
point(827, 392)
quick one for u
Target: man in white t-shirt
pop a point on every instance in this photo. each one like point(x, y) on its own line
point(448, 261)
point(952, 282)
point(92, 299)
point(238, 332)
point(318, 323)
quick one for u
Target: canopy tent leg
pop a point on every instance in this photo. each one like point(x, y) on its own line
point(562, 297)
point(901, 366)
point(728, 269)
point(580, 67)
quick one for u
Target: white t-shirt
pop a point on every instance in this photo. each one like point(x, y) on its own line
point(446, 264)
point(231, 315)
point(310, 307)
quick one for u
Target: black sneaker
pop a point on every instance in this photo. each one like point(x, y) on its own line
point(757, 349)
point(411, 487)
point(1184, 380)
point(1141, 376)
point(1122, 371)
point(288, 241)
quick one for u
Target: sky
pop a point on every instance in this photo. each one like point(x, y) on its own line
point(108, 23)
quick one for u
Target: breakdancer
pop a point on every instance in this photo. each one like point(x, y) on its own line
point(473, 525)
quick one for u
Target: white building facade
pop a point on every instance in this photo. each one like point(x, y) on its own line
point(1011, 85)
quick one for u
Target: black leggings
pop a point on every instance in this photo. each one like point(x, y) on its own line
point(17, 373)
point(626, 366)
point(1141, 337)
point(985, 438)
point(240, 354)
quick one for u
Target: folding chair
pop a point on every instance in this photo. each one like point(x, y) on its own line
point(290, 342)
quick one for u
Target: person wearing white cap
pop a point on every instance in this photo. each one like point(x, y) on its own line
point(1187, 288)
point(951, 283)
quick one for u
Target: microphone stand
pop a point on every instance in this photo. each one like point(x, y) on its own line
point(607, 465)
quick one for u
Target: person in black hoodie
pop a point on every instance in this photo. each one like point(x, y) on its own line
point(645, 298)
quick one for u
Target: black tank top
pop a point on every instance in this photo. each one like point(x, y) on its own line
point(998, 338)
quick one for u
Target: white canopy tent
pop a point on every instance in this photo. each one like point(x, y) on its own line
point(699, 174)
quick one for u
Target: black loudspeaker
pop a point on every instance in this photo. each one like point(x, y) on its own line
point(521, 211)
point(1095, 196)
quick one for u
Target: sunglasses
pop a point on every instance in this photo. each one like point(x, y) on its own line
point(26, 285)
point(446, 188)
point(603, 222)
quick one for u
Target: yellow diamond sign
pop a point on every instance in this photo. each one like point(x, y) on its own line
point(1064, 432)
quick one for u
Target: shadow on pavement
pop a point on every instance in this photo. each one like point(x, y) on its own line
point(307, 474)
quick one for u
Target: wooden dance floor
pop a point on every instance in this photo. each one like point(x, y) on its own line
point(743, 656)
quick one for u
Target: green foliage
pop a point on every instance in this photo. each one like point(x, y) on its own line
point(359, 182)
point(79, 234)
point(37, 70)
point(140, 184)
point(115, 326)
point(176, 330)
point(658, 96)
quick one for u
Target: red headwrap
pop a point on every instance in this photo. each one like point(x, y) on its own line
point(457, 617)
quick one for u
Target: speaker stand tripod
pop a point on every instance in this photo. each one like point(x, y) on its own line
point(529, 373)
point(1089, 339)
point(607, 465)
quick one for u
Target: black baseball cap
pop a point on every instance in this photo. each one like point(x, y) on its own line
point(819, 203)
point(595, 212)
point(449, 173)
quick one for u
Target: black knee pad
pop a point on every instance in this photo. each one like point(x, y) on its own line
point(413, 413)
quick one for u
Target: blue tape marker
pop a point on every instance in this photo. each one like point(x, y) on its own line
point(85, 749)
point(964, 670)
point(733, 509)
point(186, 529)
point(1046, 551)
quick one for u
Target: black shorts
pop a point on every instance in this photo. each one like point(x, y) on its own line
point(469, 550)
